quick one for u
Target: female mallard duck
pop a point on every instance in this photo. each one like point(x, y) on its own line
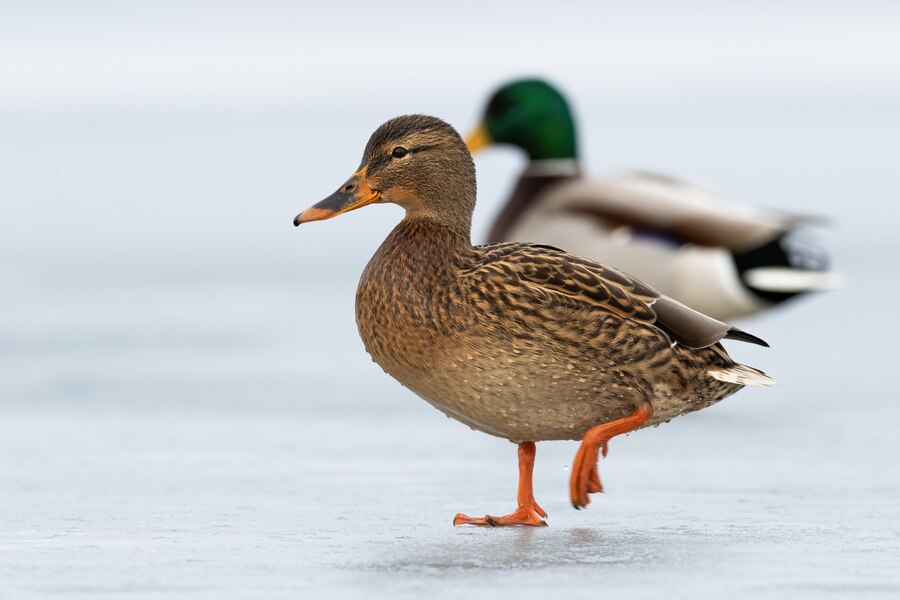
point(520, 341)
point(722, 258)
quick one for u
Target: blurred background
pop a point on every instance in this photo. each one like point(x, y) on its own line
point(186, 407)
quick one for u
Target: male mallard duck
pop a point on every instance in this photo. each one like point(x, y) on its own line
point(520, 341)
point(722, 258)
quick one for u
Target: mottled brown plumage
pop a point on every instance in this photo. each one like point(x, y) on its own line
point(521, 341)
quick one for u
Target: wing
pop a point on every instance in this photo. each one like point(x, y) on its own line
point(680, 210)
point(551, 273)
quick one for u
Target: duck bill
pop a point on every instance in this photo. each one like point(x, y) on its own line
point(355, 193)
point(478, 139)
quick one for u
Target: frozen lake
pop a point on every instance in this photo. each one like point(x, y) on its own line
point(186, 409)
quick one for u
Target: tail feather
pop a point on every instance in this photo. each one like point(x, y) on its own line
point(739, 334)
point(788, 280)
point(784, 267)
point(742, 375)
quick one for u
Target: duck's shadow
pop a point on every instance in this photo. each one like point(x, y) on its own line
point(519, 548)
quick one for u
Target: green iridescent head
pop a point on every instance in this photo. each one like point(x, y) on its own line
point(530, 114)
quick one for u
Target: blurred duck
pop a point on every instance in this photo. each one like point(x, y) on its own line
point(520, 341)
point(722, 258)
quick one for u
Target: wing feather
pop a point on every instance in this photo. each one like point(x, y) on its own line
point(550, 272)
point(682, 210)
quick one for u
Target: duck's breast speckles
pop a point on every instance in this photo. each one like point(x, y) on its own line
point(478, 337)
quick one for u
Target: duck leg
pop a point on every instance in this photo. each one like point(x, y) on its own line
point(594, 484)
point(585, 478)
point(528, 512)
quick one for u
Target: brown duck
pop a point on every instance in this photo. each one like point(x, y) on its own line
point(520, 341)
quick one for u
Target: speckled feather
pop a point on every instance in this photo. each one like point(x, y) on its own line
point(528, 342)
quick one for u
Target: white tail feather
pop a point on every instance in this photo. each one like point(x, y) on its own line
point(741, 375)
point(790, 280)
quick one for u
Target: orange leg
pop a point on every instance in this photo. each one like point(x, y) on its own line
point(594, 484)
point(585, 479)
point(528, 512)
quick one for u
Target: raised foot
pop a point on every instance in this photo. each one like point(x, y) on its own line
point(585, 479)
point(526, 516)
point(595, 486)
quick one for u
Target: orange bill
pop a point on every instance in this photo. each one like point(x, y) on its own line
point(355, 193)
point(478, 139)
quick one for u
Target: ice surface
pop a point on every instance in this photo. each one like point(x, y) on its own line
point(186, 409)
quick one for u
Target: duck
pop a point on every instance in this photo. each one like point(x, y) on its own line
point(721, 257)
point(520, 341)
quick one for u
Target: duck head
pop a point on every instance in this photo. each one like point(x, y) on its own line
point(530, 114)
point(418, 162)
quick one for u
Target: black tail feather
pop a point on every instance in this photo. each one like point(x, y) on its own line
point(737, 334)
point(787, 250)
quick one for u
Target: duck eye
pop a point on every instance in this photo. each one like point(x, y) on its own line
point(399, 152)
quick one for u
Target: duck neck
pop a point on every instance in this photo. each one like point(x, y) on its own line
point(443, 234)
point(429, 242)
point(557, 145)
point(537, 178)
point(553, 167)
point(551, 139)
